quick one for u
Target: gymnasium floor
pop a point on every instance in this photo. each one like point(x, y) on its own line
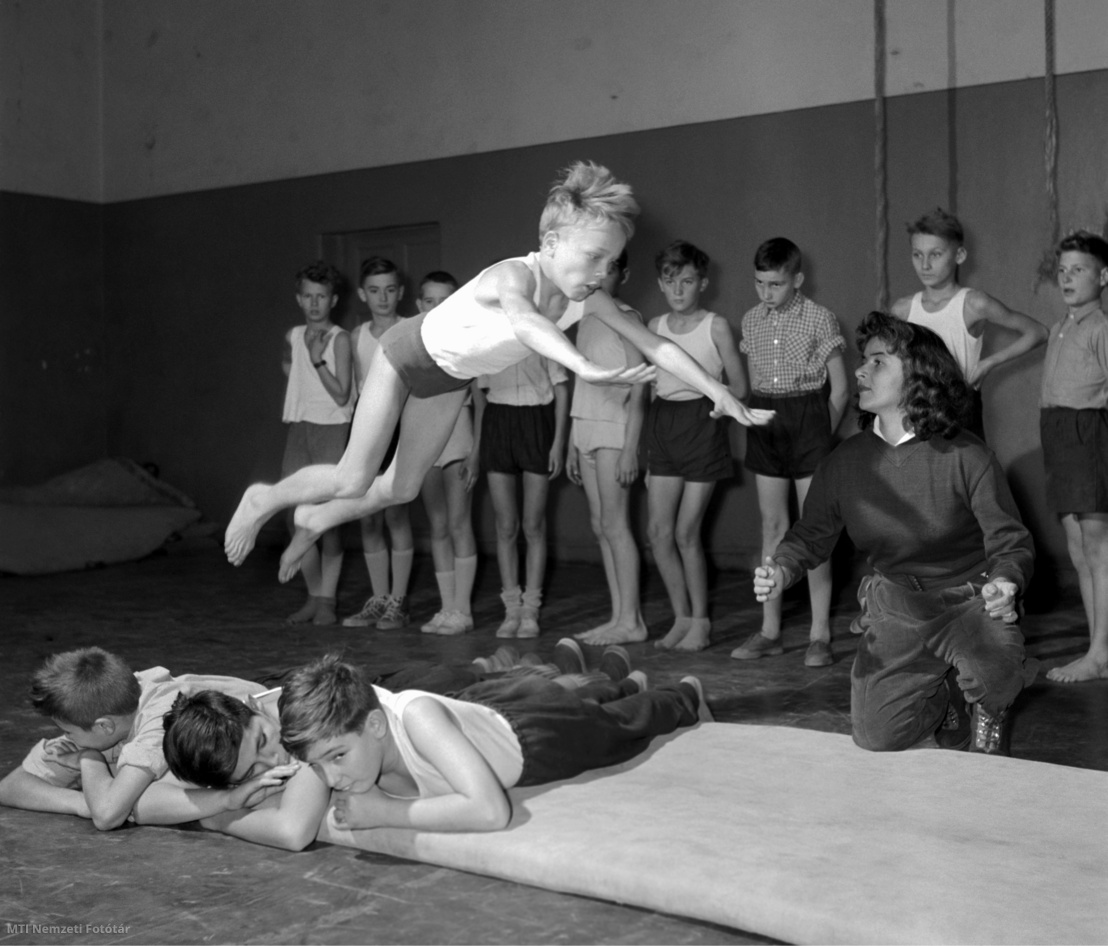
point(188, 610)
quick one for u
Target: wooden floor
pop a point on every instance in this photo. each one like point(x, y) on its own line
point(189, 611)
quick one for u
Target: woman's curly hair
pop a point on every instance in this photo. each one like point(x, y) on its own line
point(935, 397)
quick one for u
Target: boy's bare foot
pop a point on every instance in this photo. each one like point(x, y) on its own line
point(703, 712)
point(306, 612)
point(325, 613)
point(610, 623)
point(681, 627)
point(302, 540)
point(242, 531)
point(697, 637)
point(1079, 671)
point(639, 679)
point(615, 634)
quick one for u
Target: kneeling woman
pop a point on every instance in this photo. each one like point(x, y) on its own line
point(929, 505)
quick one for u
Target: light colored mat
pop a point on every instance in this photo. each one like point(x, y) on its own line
point(801, 836)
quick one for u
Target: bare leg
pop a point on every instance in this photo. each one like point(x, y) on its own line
point(773, 504)
point(1088, 541)
point(459, 505)
point(375, 418)
point(502, 490)
point(589, 475)
point(663, 503)
point(615, 524)
point(819, 581)
point(424, 429)
point(536, 488)
point(690, 519)
point(399, 520)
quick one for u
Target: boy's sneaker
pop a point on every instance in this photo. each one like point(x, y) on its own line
point(703, 712)
point(454, 622)
point(568, 656)
point(373, 608)
point(396, 615)
point(818, 655)
point(615, 662)
point(432, 626)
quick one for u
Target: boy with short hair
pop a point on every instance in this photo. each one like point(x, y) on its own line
point(795, 351)
point(447, 494)
point(110, 753)
point(687, 447)
point(381, 288)
point(417, 760)
point(958, 314)
point(1074, 429)
point(318, 408)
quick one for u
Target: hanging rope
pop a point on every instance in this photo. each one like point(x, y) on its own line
point(1050, 145)
point(1050, 152)
point(880, 170)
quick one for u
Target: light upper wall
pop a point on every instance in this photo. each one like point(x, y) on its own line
point(211, 93)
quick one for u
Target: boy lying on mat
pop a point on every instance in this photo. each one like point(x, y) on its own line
point(413, 759)
point(225, 744)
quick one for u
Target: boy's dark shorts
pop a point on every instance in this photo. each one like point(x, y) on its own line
point(307, 444)
point(403, 346)
point(791, 445)
point(517, 439)
point(1075, 456)
point(683, 439)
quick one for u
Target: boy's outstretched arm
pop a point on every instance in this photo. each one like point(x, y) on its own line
point(478, 802)
point(981, 307)
point(21, 789)
point(665, 354)
point(168, 801)
point(510, 286)
point(110, 799)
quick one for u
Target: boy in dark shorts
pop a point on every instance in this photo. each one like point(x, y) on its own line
point(795, 351)
point(1074, 428)
point(523, 437)
point(687, 447)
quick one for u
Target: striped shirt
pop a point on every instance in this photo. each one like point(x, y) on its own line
point(788, 348)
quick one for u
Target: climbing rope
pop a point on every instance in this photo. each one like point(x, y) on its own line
point(880, 169)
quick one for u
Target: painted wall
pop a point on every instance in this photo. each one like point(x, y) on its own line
point(198, 293)
point(213, 93)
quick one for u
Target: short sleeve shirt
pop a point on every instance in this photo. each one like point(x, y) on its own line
point(788, 348)
point(1075, 369)
point(142, 746)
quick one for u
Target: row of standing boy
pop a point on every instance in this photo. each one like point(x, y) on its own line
point(520, 429)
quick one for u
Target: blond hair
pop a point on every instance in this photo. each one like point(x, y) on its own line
point(588, 193)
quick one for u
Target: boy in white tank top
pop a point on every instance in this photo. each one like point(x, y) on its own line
point(688, 449)
point(419, 375)
point(319, 403)
point(603, 457)
point(381, 288)
point(418, 760)
point(958, 314)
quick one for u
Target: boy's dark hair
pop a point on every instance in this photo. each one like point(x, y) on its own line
point(939, 223)
point(320, 272)
point(322, 700)
point(203, 735)
point(377, 266)
point(80, 686)
point(935, 397)
point(678, 255)
point(440, 276)
point(1082, 241)
point(777, 253)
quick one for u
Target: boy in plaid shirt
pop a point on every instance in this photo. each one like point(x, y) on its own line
point(795, 352)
